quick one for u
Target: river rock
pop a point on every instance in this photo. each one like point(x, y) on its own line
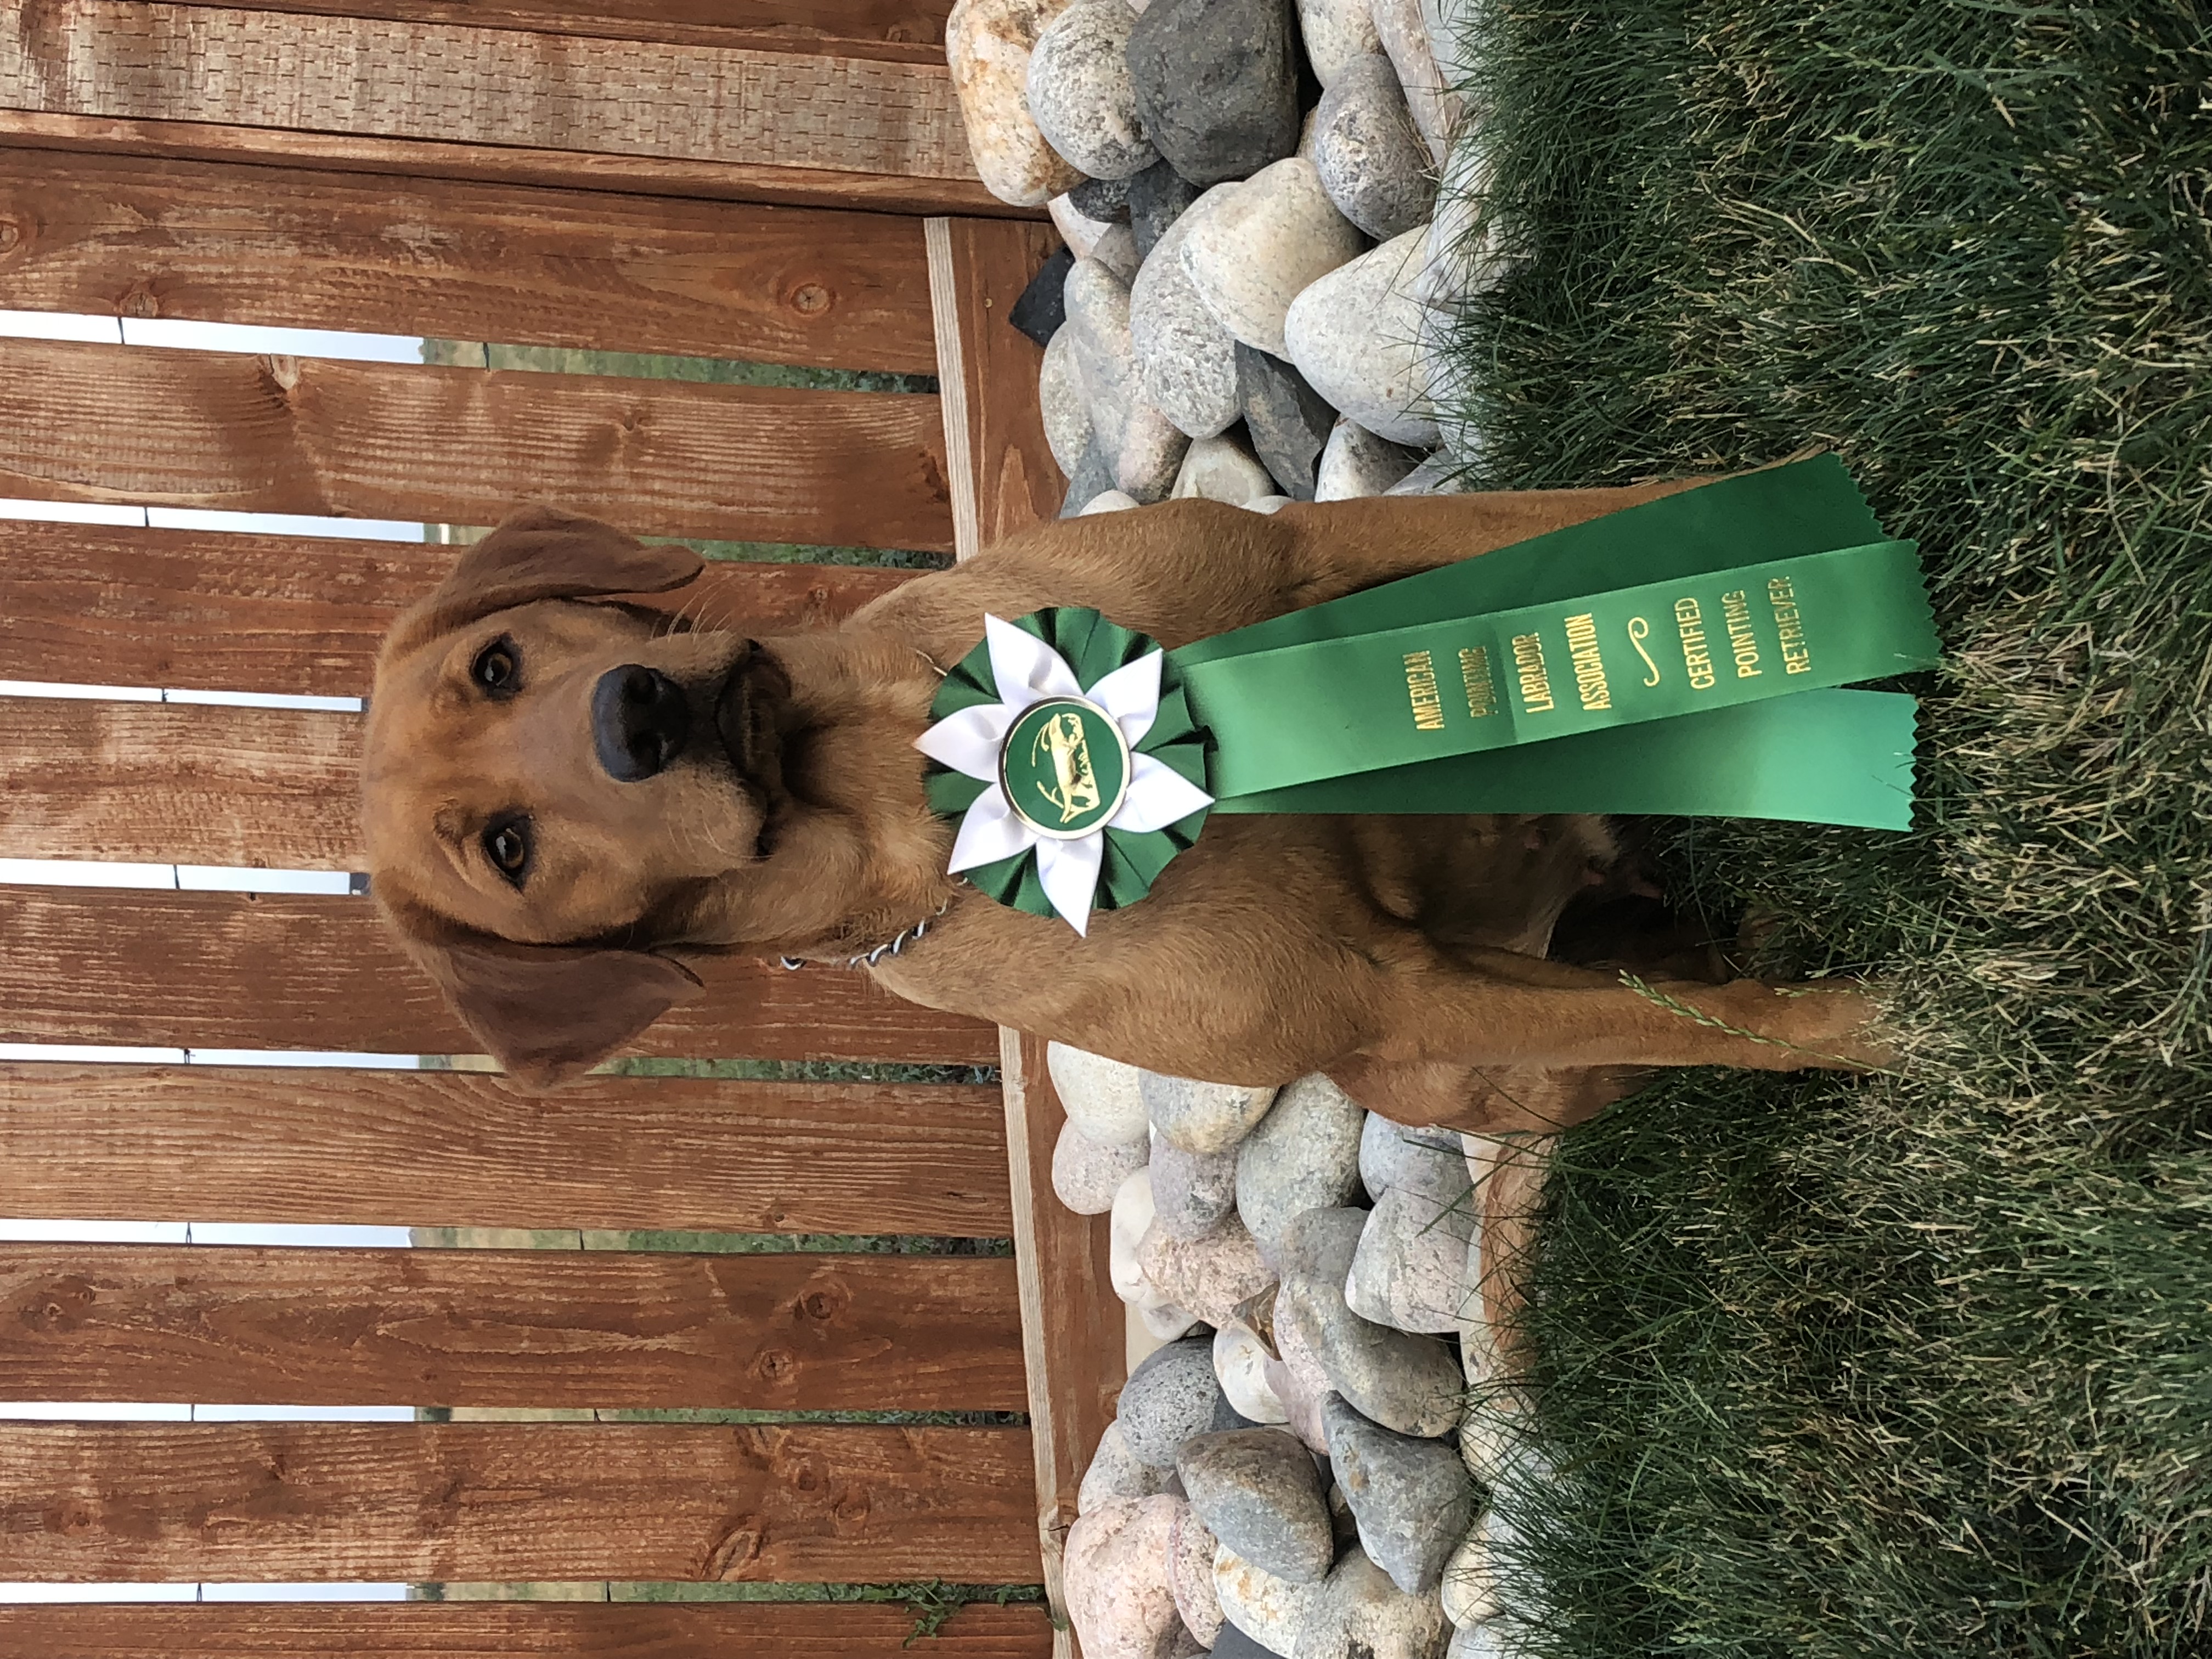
point(1085, 1175)
point(1233, 1643)
point(1216, 84)
point(1319, 1245)
point(1114, 1474)
point(1443, 474)
point(1357, 1612)
point(1493, 1638)
point(1152, 452)
point(1223, 469)
point(1287, 419)
point(1353, 335)
point(1041, 307)
point(1435, 107)
point(1193, 1193)
point(1079, 92)
point(1208, 1275)
point(1079, 231)
point(1185, 359)
point(1265, 506)
point(1097, 309)
point(1202, 1117)
point(1469, 1589)
point(1337, 34)
point(1120, 1598)
point(1355, 462)
point(1103, 201)
point(1253, 248)
point(1258, 1492)
point(1304, 1155)
point(1060, 400)
point(1298, 1382)
point(1132, 1218)
point(1113, 501)
point(1169, 1398)
point(1093, 477)
point(1191, 1550)
point(1367, 153)
point(1410, 1271)
point(1269, 1610)
point(1100, 1096)
point(1240, 1366)
point(988, 45)
point(1158, 197)
point(1412, 1498)
point(1117, 251)
point(1429, 1161)
point(1407, 1382)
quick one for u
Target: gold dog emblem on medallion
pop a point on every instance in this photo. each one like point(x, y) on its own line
point(1074, 788)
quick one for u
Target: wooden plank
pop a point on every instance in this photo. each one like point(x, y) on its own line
point(225, 430)
point(900, 31)
point(568, 169)
point(1017, 482)
point(235, 970)
point(121, 59)
point(515, 1631)
point(288, 248)
point(375, 1502)
point(1072, 1325)
point(536, 1329)
point(214, 611)
point(459, 1149)
point(544, 1630)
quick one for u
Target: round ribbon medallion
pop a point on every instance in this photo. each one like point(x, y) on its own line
point(1064, 767)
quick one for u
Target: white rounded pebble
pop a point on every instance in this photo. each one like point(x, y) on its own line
point(1185, 360)
point(1354, 335)
point(1077, 228)
point(1060, 400)
point(1355, 462)
point(1113, 501)
point(1405, 37)
point(1252, 247)
point(1085, 1175)
point(1080, 91)
point(1131, 1213)
point(1266, 504)
point(1223, 469)
point(1336, 32)
point(988, 45)
point(1240, 1361)
point(1272, 1611)
point(1469, 1589)
point(1099, 1094)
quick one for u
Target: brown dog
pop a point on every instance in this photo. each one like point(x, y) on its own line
point(566, 796)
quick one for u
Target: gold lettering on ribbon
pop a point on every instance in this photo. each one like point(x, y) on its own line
point(1421, 691)
point(1735, 611)
point(1474, 675)
point(1697, 661)
point(1590, 666)
point(1529, 664)
point(1789, 623)
point(1639, 631)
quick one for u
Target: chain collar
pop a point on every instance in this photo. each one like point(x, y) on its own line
point(888, 948)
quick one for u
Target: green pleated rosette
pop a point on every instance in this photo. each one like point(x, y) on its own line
point(1093, 647)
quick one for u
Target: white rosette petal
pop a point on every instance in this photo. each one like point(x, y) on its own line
point(1026, 669)
point(990, 830)
point(1068, 872)
point(1158, 796)
point(968, 741)
point(1131, 695)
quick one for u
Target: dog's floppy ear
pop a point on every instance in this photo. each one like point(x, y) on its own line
point(550, 1012)
point(544, 553)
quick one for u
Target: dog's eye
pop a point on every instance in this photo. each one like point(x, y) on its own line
point(496, 668)
point(507, 844)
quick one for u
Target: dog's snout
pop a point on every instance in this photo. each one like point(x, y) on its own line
point(639, 720)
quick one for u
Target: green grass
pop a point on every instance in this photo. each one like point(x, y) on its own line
point(1923, 1364)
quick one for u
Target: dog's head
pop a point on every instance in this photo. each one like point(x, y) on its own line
point(554, 779)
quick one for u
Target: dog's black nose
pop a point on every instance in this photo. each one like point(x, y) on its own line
point(639, 722)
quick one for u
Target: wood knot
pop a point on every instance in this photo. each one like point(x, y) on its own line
point(737, 1549)
point(60, 1307)
point(776, 1365)
point(810, 299)
point(70, 1517)
point(11, 236)
point(284, 372)
point(140, 302)
point(824, 1302)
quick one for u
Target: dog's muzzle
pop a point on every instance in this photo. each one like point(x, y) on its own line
point(639, 722)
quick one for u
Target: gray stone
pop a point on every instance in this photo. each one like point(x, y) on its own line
point(1271, 1611)
point(1193, 1193)
point(1223, 469)
point(1298, 1381)
point(1060, 400)
point(1116, 250)
point(1405, 37)
point(1469, 1590)
point(1407, 1382)
point(1337, 33)
point(1288, 420)
point(1410, 1272)
point(1100, 1096)
point(1191, 1550)
point(1202, 1117)
point(1158, 197)
point(1207, 1276)
point(1253, 248)
point(1355, 462)
point(1085, 1175)
point(1358, 1614)
point(1097, 328)
point(1259, 1493)
point(1105, 200)
point(1413, 1499)
point(1116, 1474)
point(1443, 474)
point(1321, 1243)
point(1304, 1156)
point(1186, 361)
point(1233, 1643)
point(1368, 155)
point(1041, 308)
point(1429, 1161)
point(1114, 1574)
point(1079, 92)
point(1152, 452)
point(1169, 1398)
point(1240, 1366)
point(1092, 478)
point(987, 44)
point(1354, 335)
point(1216, 84)
point(1079, 232)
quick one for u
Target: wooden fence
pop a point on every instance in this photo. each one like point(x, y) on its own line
point(616, 176)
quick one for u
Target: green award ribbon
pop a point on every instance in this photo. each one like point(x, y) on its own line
point(1530, 679)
